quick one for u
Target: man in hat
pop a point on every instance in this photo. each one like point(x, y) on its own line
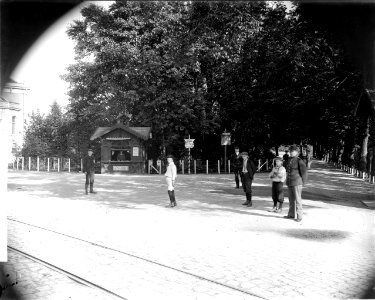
point(278, 176)
point(236, 161)
point(248, 171)
point(89, 169)
point(296, 178)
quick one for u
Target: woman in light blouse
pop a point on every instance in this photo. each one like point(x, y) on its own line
point(170, 176)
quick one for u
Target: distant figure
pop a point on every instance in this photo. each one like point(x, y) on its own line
point(170, 176)
point(121, 156)
point(248, 171)
point(236, 162)
point(286, 158)
point(296, 178)
point(278, 176)
point(89, 169)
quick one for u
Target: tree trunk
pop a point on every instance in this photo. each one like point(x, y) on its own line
point(363, 161)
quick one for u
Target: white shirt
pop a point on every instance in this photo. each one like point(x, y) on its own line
point(278, 173)
point(171, 171)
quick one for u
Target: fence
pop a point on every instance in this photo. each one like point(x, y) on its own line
point(46, 164)
point(202, 167)
point(62, 164)
point(366, 176)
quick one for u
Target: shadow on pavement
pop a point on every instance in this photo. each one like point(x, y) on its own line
point(317, 234)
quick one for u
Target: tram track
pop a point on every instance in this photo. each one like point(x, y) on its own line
point(67, 273)
point(133, 256)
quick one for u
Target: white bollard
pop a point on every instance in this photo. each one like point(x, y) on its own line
point(23, 162)
point(218, 166)
point(37, 163)
point(69, 165)
point(206, 166)
point(29, 163)
point(48, 164)
point(229, 166)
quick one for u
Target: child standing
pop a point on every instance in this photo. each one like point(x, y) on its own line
point(170, 177)
point(278, 176)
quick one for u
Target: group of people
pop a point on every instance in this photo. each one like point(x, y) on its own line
point(290, 169)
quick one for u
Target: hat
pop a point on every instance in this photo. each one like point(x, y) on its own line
point(170, 156)
point(89, 149)
point(293, 148)
point(278, 158)
point(236, 147)
point(245, 153)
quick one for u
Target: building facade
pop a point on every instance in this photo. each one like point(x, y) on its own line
point(12, 114)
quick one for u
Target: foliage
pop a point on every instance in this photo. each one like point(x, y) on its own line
point(261, 72)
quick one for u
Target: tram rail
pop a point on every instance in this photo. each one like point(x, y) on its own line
point(96, 286)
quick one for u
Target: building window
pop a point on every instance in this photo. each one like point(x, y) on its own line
point(14, 125)
point(120, 155)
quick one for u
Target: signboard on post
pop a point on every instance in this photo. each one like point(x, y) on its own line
point(226, 139)
point(189, 143)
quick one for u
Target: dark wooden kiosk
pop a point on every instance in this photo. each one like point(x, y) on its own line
point(122, 148)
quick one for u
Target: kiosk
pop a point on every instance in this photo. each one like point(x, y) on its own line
point(123, 148)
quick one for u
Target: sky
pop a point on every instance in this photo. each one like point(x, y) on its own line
point(46, 60)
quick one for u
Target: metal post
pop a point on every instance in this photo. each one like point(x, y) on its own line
point(17, 162)
point(195, 166)
point(37, 163)
point(48, 164)
point(23, 162)
point(206, 166)
point(225, 158)
point(69, 165)
point(58, 164)
point(183, 167)
point(29, 163)
point(218, 166)
point(229, 166)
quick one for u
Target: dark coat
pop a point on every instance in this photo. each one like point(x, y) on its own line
point(251, 169)
point(236, 161)
point(247, 178)
point(296, 172)
point(88, 164)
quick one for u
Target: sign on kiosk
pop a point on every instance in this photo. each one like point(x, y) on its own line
point(189, 143)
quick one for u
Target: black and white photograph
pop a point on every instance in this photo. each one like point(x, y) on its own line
point(187, 150)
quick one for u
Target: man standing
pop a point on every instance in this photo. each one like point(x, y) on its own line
point(296, 178)
point(286, 158)
point(248, 171)
point(236, 160)
point(89, 169)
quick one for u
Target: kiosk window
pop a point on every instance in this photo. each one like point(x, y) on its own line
point(120, 155)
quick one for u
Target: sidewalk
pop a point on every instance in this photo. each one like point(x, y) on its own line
point(209, 246)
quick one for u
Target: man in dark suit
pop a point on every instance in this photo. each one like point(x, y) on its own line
point(296, 178)
point(248, 171)
point(89, 169)
point(236, 162)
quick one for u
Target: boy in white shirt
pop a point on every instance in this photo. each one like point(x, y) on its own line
point(278, 177)
point(170, 177)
